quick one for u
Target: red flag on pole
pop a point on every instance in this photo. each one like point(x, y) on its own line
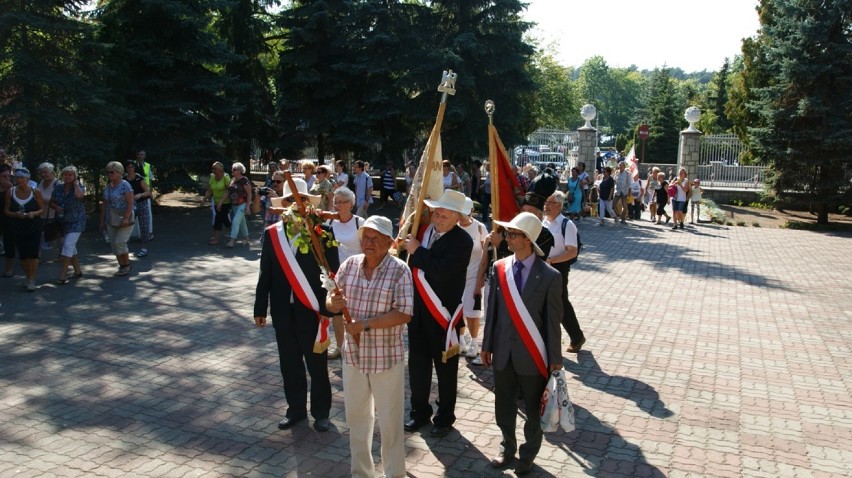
point(504, 182)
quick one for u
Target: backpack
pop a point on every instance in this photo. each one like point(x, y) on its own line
point(573, 261)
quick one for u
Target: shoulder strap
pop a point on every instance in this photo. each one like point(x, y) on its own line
point(357, 224)
point(564, 225)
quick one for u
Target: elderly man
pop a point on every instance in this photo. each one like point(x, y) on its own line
point(376, 288)
point(564, 249)
point(296, 306)
point(522, 337)
point(439, 267)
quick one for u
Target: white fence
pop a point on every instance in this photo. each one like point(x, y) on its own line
point(719, 166)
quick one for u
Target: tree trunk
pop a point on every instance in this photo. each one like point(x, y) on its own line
point(822, 212)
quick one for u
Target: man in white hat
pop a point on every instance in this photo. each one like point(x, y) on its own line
point(438, 268)
point(522, 337)
point(289, 284)
point(377, 290)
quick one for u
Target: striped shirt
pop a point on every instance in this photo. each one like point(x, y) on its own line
point(390, 288)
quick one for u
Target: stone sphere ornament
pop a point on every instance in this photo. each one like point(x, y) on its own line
point(588, 112)
point(693, 115)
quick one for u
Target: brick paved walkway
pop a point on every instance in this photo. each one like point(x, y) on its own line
point(713, 352)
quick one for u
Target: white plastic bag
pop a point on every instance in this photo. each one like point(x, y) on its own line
point(556, 408)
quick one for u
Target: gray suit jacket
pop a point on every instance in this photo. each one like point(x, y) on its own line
point(543, 297)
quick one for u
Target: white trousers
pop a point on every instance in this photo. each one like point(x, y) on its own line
point(366, 396)
point(603, 207)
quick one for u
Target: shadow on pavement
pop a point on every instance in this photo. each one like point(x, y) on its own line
point(643, 395)
point(640, 241)
point(600, 450)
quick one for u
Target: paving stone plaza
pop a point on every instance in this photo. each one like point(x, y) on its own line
point(717, 351)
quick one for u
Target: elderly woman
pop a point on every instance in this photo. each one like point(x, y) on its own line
point(308, 168)
point(117, 215)
point(220, 203)
point(67, 200)
point(451, 179)
point(345, 230)
point(239, 192)
point(23, 209)
point(142, 198)
point(323, 187)
point(45, 186)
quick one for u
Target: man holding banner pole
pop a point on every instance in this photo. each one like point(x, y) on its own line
point(290, 284)
point(438, 268)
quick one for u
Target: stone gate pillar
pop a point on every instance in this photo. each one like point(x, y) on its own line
point(587, 138)
point(690, 143)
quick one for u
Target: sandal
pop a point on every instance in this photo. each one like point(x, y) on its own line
point(213, 241)
point(123, 270)
point(142, 253)
point(62, 281)
point(77, 275)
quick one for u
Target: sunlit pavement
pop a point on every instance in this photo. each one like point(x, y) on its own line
point(715, 351)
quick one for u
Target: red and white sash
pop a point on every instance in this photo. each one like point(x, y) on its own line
point(439, 313)
point(301, 288)
point(521, 317)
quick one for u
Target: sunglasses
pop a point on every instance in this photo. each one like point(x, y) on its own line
point(278, 181)
point(512, 234)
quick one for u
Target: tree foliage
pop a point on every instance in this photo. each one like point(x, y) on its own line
point(54, 104)
point(201, 80)
point(665, 111)
point(170, 73)
point(805, 107)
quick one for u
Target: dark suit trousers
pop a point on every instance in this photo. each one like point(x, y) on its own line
point(421, 358)
point(506, 384)
point(569, 318)
point(295, 352)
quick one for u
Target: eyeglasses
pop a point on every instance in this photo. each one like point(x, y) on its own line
point(555, 203)
point(513, 234)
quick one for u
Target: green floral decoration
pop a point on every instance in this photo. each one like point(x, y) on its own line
point(302, 225)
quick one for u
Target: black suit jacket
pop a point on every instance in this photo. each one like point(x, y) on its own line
point(445, 267)
point(273, 289)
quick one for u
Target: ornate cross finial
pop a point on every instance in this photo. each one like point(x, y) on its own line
point(489, 110)
point(448, 83)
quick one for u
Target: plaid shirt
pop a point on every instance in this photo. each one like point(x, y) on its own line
point(390, 288)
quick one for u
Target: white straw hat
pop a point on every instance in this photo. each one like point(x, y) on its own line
point(452, 200)
point(529, 224)
point(301, 189)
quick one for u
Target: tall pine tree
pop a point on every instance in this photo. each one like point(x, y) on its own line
point(170, 75)
point(806, 108)
point(54, 104)
point(664, 119)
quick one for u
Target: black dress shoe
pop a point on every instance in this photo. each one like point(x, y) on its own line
point(322, 425)
point(414, 425)
point(502, 461)
point(439, 431)
point(288, 422)
point(524, 467)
